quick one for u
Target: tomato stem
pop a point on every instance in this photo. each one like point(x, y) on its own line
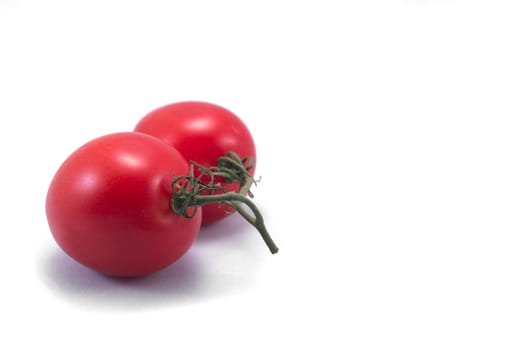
point(190, 191)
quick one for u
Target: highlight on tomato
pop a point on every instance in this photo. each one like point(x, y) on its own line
point(203, 132)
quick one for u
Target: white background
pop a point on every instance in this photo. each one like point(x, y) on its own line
point(391, 147)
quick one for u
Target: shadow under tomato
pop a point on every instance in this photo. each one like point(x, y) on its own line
point(224, 260)
point(180, 282)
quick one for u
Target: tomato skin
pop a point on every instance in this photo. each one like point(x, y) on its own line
point(201, 132)
point(108, 205)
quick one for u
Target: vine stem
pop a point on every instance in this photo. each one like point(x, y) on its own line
point(234, 200)
point(192, 191)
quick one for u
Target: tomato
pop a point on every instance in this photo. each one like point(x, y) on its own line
point(202, 132)
point(108, 205)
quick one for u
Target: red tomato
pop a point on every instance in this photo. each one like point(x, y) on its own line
point(108, 206)
point(202, 132)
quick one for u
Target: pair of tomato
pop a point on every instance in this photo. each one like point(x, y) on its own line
point(108, 205)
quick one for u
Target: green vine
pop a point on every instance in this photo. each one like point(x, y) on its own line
point(190, 191)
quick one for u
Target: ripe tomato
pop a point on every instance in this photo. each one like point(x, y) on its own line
point(108, 205)
point(202, 132)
